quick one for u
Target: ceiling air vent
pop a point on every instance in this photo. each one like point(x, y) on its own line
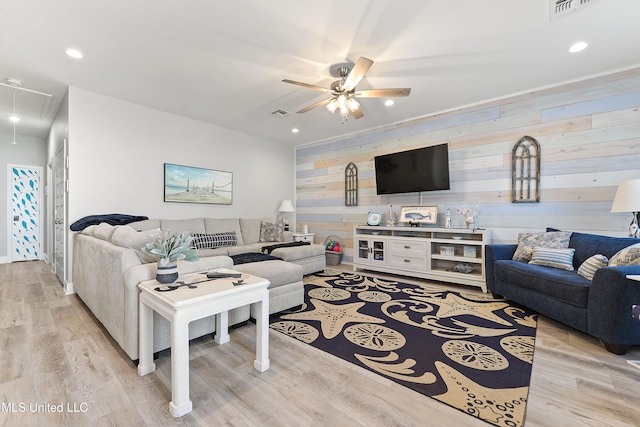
point(559, 8)
point(280, 113)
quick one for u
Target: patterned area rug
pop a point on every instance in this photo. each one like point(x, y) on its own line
point(469, 351)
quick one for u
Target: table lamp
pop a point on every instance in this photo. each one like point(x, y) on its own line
point(285, 206)
point(627, 199)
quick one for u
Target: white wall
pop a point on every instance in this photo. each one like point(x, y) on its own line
point(117, 152)
point(29, 151)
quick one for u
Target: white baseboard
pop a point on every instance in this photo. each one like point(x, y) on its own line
point(4, 260)
point(68, 289)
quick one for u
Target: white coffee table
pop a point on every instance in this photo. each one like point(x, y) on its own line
point(183, 305)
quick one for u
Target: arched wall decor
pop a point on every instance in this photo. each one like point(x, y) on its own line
point(525, 182)
point(351, 185)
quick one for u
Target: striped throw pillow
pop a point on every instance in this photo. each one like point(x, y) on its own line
point(215, 240)
point(556, 258)
point(591, 265)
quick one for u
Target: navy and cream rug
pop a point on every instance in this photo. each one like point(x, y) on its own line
point(469, 351)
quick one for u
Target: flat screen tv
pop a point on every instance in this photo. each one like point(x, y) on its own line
point(422, 169)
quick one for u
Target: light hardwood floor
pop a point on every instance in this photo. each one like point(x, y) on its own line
point(55, 355)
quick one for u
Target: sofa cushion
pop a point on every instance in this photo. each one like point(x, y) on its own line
point(587, 245)
point(128, 237)
point(277, 272)
point(590, 266)
point(195, 225)
point(215, 225)
point(563, 285)
point(556, 258)
point(626, 256)
point(89, 230)
point(203, 253)
point(104, 231)
point(270, 232)
point(214, 240)
point(251, 230)
point(528, 241)
point(148, 224)
point(299, 252)
point(235, 250)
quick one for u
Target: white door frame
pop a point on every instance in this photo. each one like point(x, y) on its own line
point(10, 167)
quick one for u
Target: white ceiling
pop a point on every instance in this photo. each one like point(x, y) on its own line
point(223, 62)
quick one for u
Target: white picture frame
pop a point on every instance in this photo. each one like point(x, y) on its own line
point(419, 214)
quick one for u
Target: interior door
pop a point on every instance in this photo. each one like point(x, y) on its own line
point(26, 238)
point(59, 214)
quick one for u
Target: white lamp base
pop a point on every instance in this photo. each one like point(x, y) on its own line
point(634, 229)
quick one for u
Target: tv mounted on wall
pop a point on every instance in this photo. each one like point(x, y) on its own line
point(422, 169)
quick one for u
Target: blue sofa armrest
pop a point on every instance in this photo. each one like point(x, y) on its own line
point(610, 299)
point(492, 254)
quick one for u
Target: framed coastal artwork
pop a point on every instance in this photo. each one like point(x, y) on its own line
point(419, 214)
point(187, 184)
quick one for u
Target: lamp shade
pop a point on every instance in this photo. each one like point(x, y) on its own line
point(286, 206)
point(627, 197)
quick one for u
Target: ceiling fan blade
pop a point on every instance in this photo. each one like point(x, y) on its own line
point(358, 114)
point(312, 106)
point(383, 93)
point(307, 85)
point(359, 70)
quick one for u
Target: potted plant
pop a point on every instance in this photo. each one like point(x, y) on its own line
point(170, 248)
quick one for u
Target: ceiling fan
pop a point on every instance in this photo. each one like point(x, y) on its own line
point(343, 92)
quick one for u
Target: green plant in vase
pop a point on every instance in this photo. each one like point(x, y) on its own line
point(169, 248)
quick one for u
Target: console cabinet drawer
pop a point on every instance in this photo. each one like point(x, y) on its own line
point(409, 248)
point(407, 262)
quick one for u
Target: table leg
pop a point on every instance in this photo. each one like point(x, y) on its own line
point(262, 361)
point(180, 403)
point(222, 328)
point(145, 340)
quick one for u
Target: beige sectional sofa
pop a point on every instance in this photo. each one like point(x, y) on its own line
point(108, 265)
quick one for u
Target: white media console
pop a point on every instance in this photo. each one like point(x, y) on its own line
point(447, 254)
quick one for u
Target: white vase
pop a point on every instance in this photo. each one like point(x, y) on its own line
point(167, 273)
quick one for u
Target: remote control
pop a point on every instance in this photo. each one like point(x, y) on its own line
point(218, 275)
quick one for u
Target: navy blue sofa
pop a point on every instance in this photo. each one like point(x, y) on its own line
point(600, 307)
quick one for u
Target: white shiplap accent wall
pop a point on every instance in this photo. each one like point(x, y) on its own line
point(590, 137)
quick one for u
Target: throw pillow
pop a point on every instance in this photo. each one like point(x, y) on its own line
point(634, 262)
point(591, 265)
point(626, 255)
point(270, 232)
point(214, 240)
point(528, 241)
point(556, 258)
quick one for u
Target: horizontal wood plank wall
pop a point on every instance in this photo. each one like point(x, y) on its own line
point(589, 132)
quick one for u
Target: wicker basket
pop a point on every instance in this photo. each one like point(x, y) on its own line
point(333, 257)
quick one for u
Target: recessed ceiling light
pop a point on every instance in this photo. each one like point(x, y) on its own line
point(295, 130)
point(578, 47)
point(14, 119)
point(389, 102)
point(74, 53)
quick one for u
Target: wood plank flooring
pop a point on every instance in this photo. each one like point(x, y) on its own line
point(59, 367)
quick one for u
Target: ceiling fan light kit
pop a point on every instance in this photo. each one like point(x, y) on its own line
point(344, 92)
